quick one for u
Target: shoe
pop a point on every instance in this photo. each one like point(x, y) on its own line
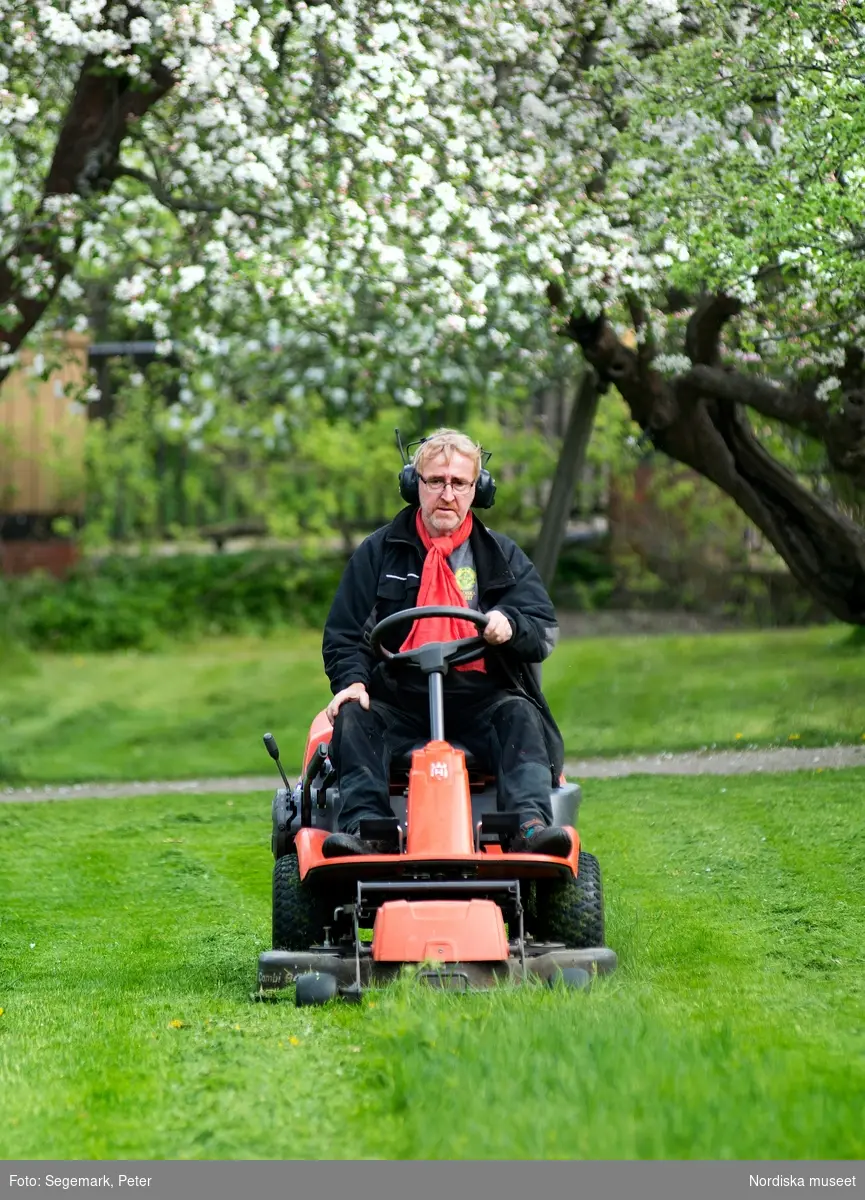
point(344, 845)
point(537, 838)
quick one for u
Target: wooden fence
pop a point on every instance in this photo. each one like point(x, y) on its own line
point(42, 430)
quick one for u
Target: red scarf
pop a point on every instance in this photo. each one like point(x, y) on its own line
point(438, 585)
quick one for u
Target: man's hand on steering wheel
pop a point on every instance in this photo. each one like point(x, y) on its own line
point(499, 630)
point(354, 691)
point(494, 629)
point(496, 632)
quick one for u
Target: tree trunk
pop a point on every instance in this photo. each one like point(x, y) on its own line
point(568, 470)
point(85, 162)
point(824, 549)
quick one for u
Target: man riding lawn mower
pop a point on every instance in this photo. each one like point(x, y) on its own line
point(432, 804)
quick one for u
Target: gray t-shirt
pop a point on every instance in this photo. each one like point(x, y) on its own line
point(462, 563)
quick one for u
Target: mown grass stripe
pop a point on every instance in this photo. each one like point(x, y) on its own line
point(199, 710)
point(128, 940)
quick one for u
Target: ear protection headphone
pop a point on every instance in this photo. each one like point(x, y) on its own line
point(485, 488)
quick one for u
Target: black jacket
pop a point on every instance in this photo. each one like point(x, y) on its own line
point(383, 577)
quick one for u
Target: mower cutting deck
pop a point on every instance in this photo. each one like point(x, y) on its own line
point(451, 900)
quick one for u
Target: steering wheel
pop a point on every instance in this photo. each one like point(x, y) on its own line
point(463, 650)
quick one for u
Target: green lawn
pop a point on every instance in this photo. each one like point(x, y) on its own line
point(201, 709)
point(733, 1029)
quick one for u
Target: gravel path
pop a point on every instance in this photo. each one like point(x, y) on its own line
point(718, 762)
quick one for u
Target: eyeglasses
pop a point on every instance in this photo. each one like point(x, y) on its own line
point(435, 483)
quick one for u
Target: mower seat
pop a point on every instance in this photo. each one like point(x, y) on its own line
point(402, 762)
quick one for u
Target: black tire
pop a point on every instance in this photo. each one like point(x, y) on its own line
point(299, 914)
point(572, 911)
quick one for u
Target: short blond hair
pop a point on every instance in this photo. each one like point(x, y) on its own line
point(447, 442)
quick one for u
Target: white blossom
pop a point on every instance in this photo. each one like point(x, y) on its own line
point(139, 30)
point(190, 277)
point(671, 364)
point(433, 167)
point(827, 387)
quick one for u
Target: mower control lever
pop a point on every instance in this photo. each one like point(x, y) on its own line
point(273, 750)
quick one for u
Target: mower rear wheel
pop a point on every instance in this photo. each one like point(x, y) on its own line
point(299, 913)
point(572, 911)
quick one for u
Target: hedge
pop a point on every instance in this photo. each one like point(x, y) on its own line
point(138, 602)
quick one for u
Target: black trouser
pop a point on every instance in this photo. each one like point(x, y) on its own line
point(503, 732)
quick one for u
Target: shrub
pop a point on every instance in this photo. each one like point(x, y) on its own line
point(135, 603)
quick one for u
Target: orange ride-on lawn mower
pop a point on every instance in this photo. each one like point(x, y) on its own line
point(451, 900)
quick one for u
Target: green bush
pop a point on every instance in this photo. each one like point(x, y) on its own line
point(136, 603)
point(585, 579)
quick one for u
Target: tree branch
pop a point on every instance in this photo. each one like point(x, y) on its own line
point(642, 328)
point(652, 401)
point(794, 408)
point(840, 427)
point(824, 550)
point(180, 204)
point(703, 335)
point(98, 119)
point(85, 157)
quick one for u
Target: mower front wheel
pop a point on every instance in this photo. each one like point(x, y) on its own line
point(299, 913)
point(572, 911)
point(314, 987)
point(575, 978)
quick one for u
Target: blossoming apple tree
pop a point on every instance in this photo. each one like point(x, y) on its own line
point(388, 194)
